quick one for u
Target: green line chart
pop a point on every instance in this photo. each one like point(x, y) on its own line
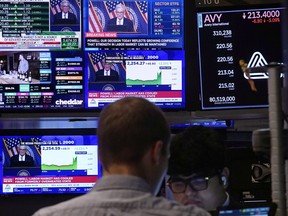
point(72, 166)
point(160, 72)
point(73, 157)
point(156, 81)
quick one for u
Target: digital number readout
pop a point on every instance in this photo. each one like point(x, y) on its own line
point(229, 43)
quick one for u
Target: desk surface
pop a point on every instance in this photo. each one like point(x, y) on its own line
point(12, 79)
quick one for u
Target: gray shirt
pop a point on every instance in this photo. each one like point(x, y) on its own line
point(120, 196)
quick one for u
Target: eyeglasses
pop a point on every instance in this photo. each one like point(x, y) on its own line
point(197, 183)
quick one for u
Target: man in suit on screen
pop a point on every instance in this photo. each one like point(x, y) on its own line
point(65, 17)
point(120, 23)
point(107, 73)
point(22, 159)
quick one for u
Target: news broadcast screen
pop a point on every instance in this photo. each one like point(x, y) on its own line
point(37, 80)
point(155, 75)
point(152, 24)
point(231, 41)
point(41, 24)
point(51, 164)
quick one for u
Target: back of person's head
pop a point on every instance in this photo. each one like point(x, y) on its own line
point(196, 150)
point(128, 128)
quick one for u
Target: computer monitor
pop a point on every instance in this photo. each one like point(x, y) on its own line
point(230, 40)
point(251, 209)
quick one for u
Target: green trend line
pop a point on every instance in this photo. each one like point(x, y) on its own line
point(72, 166)
point(156, 81)
point(57, 33)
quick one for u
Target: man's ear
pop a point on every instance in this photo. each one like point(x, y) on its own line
point(224, 177)
point(156, 152)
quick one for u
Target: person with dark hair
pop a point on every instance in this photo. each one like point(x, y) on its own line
point(133, 143)
point(197, 168)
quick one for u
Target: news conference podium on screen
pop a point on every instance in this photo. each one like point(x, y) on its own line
point(21, 171)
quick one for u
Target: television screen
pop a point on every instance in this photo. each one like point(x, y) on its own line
point(53, 163)
point(41, 80)
point(230, 41)
point(155, 75)
point(41, 25)
point(144, 24)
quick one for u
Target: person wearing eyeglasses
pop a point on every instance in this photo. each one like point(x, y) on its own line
point(197, 169)
point(120, 23)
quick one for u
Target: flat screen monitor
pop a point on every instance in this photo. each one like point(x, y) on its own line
point(148, 24)
point(155, 75)
point(55, 162)
point(40, 25)
point(230, 41)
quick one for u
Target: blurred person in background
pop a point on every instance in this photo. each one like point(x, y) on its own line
point(198, 173)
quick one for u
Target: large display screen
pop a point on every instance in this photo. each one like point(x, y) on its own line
point(230, 41)
point(153, 24)
point(52, 163)
point(129, 48)
point(155, 75)
point(41, 24)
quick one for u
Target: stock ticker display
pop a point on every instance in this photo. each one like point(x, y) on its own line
point(230, 41)
point(85, 54)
